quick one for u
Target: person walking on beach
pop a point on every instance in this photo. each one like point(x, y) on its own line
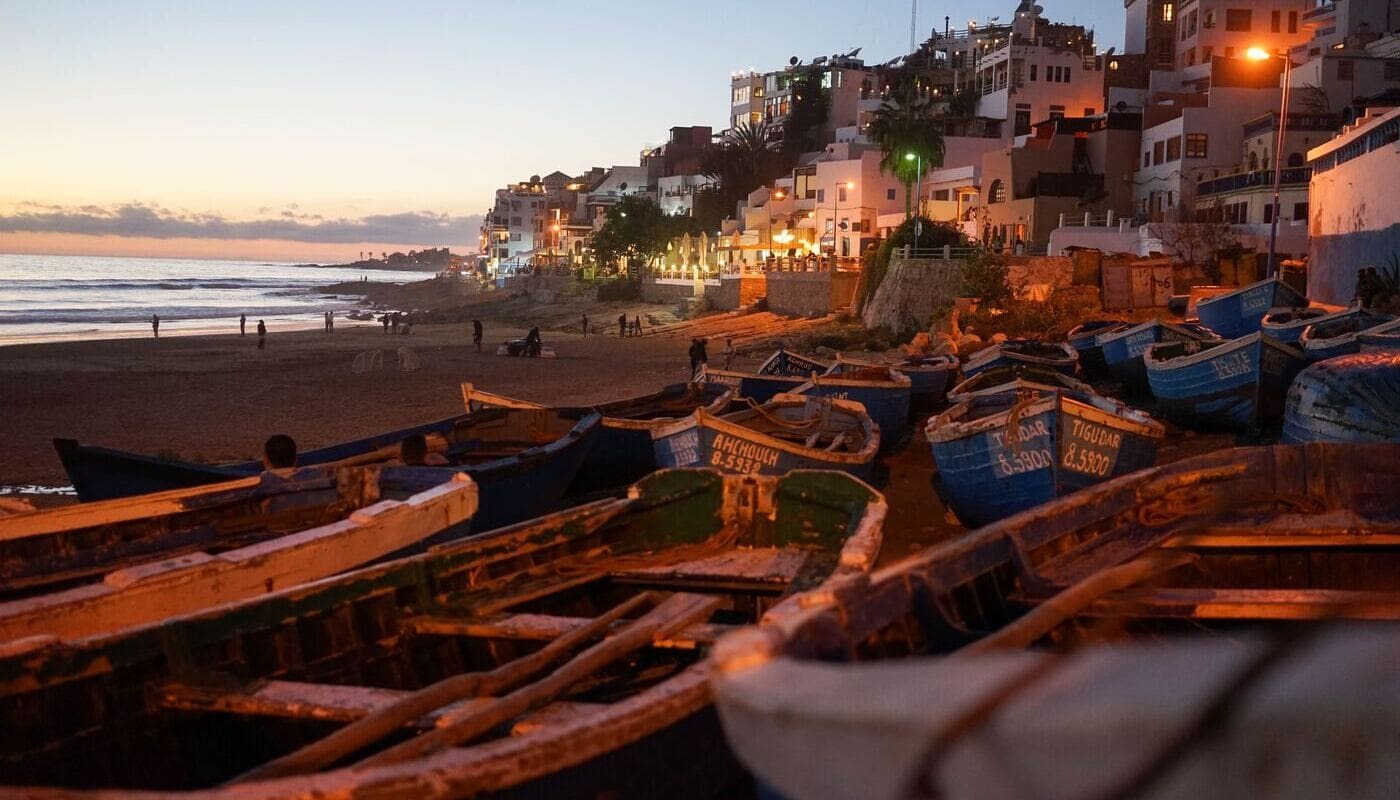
point(242, 324)
point(262, 335)
point(155, 325)
point(698, 356)
point(279, 451)
point(476, 334)
point(621, 325)
point(585, 326)
point(385, 319)
point(637, 325)
point(532, 343)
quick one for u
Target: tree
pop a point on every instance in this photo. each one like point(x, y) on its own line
point(906, 124)
point(636, 232)
point(1197, 239)
point(811, 103)
point(745, 158)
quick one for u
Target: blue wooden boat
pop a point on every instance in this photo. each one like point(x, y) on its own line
point(883, 391)
point(1123, 349)
point(1239, 384)
point(1380, 338)
point(751, 385)
point(930, 378)
point(1241, 312)
point(1003, 453)
point(1288, 324)
point(1354, 398)
point(1058, 356)
point(786, 433)
point(1015, 379)
point(602, 615)
point(785, 362)
point(1339, 335)
point(523, 461)
point(622, 454)
point(845, 697)
point(92, 568)
point(1085, 341)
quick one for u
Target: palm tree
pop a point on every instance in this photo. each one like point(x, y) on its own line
point(905, 125)
point(744, 157)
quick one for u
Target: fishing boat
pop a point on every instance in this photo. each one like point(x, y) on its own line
point(93, 568)
point(1018, 379)
point(564, 657)
point(1288, 324)
point(1381, 337)
point(1239, 384)
point(1353, 398)
point(885, 393)
point(751, 385)
point(1123, 349)
point(1058, 356)
point(622, 454)
point(1002, 453)
point(929, 376)
point(1241, 312)
point(788, 363)
point(1084, 339)
point(1339, 335)
point(522, 460)
point(1201, 545)
point(786, 433)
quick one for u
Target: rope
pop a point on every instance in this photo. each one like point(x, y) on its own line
point(778, 421)
point(1012, 432)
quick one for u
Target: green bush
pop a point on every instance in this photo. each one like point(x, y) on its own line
point(984, 277)
point(876, 260)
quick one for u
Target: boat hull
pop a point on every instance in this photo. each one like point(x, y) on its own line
point(1341, 334)
point(1006, 354)
point(758, 388)
point(1123, 350)
point(1239, 385)
point(1056, 447)
point(1085, 341)
point(1241, 312)
point(886, 403)
point(1349, 399)
point(717, 443)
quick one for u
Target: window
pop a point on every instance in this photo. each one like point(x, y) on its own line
point(1300, 211)
point(1392, 69)
point(1159, 151)
point(997, 194)
point(1057, 112)
point(1206, 53)
point(1268, 213)
point(889, 194)
point(1196, 145)
point(1023, 119)
point(1275, 21)
point(1191, 23)
point(515, 237)
point(741, 95)
point(1295, 160)
point(1065, 74)
point(941, 195)
point(1293, 22)
point(1174, 148)
point(1208, 19)
point(1033, 66)
point(1088, 112)
point(515, 222)
point(1168, 12)
point(841, 194)
point(1239, 19)
point(821, 195)
point(1146, 159)
point(1346, 69)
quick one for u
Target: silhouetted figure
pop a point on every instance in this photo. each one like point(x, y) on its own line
point(155, 325)
point(585, 326)
point(477, 333)
point(242, 324)
point(394, 322)
point(729, 353)
point(279, 451)
point(262, 334)
point(413, 452)
point(698, 356)
point(385, 319)
point(532, 343)
point(621, 325)
point(637, 325)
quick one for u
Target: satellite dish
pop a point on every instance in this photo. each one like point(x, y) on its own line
point(1120, 106)
point(622, 187)
point(817, 62)
point(853, 53)
point(794, 61)
point(1111, 51)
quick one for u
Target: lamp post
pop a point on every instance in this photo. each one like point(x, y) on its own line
point(918, 210)
point(1260, 54)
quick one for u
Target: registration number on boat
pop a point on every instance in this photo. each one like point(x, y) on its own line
point(736, 455)
point(1232, 366)
point(1016, 463)
point(1090, 449)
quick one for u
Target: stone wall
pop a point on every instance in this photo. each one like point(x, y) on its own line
point(670, 290)
point(806, 294)
point(1035, 277)
point(733, 292)
point(912, 288)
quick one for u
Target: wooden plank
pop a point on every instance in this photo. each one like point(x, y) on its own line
point(1276, 604)
point(547, 627)
point(1271, 538)
point(761, 565)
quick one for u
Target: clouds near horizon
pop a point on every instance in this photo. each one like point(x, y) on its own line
point(152, 221)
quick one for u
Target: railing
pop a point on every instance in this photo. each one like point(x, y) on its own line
point(944, 253)
point(1252, 180)
point(1107, 220)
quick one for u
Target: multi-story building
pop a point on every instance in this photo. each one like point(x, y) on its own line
point(1349, 57)
point(515, 225)
point(1151, 31)
point(676, 193)
point(768, 97)
point(1245, 195)
point(1354, 211)
point(1210, 29)
point(1066, 166)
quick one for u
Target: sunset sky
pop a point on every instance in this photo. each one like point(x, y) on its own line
point(314, 130)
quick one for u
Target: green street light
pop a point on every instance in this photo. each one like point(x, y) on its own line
point(909, 156)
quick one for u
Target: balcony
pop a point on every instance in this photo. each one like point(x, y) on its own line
point(1259, 179)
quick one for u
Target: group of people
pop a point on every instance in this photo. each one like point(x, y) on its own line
point(628, 329)
point(330, 322)
point(393, 321)
point(262, 329)
point(280, 452)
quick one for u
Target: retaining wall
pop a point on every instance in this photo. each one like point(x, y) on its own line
point(670, 290)
point(731, 293)
point(912, 288)
point(806, 294)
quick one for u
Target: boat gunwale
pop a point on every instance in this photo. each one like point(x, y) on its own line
point(943, 428)
point(1214, 349)
point(866, 455)
point(987, 355)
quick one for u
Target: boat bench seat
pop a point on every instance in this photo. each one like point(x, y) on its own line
point(343, 704)
point(1248, 604)
point(547, 627)
point(758, 568)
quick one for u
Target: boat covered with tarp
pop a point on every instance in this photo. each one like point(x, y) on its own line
point(1123, 349)
point(1352, 398)
point(1238, 384)
point(1084, 338)
point(622, 454)
point(1003, 453)
point(563, 657)
point(94, 568)
point(1206, 545)
point(786, 433)
point(1059, 356)
point(522, 460)
point(1241, 312)
point(1339, 335)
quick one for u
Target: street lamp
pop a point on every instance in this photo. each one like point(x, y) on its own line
point(918, 211)
point(1260, 54)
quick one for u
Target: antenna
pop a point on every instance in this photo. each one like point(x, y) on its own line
point(913, 24)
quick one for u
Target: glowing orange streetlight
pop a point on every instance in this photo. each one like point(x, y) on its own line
point(1261, 54)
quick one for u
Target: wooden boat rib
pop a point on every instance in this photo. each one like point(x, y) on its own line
point(1058, 356)
point(1240, 312)
point(263, 678)
point(100, 567)
point(788, 432)
point(522, 460)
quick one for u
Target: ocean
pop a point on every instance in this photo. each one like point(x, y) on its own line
point(53, 298)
